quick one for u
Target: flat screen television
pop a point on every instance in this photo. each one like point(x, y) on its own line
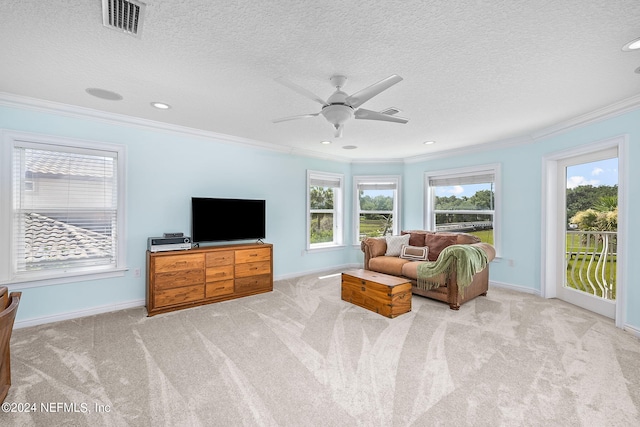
point(215, 220)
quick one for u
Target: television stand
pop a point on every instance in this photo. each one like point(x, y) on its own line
point(183, 279)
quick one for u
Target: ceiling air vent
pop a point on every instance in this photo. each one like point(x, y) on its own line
point(124, 16)
point(390, 111)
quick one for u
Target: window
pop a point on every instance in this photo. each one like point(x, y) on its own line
point(464, 200)
point(324, 204)
point(66, 215)
point(377, 205)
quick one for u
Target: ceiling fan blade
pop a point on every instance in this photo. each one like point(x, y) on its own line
point(301, 116)
point(302, 91)
point(359, 98)
point(339, 129)
point(361, 113)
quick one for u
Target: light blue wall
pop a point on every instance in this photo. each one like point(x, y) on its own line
point(522, 197)
point(164, 170)
point(158, 202)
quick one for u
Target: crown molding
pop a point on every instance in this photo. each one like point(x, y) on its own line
point(612, 110)
point(73, 111)
point(486, 146)
point(618, 108)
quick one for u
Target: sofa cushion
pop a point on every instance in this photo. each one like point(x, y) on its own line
point(388, 265)
point(462, 238)
point(414, 253)
point(394, 244)
point(417, 236)
point(410, 271)
point(437, 242)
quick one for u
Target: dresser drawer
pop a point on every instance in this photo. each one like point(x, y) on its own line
point(179, 262)
point(222, 287)
point(178, 279)
point(219, 258)
point(253, 268)
point(219, 273)
point(252, 255)
point(175, 296)
point(254, 284)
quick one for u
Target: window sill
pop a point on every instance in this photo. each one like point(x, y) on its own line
point(325, 248)
point(35, 282)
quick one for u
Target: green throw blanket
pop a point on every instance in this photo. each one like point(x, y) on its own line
point(469, 260)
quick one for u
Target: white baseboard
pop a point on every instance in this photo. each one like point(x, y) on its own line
point(635, 331)
point(34, 321)
point(517, 288)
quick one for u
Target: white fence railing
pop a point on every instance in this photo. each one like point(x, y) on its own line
point(591, 259)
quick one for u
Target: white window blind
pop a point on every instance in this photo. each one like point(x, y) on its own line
point(324, 182)
point(65, 205)
point(377, 186)
point(446, 181)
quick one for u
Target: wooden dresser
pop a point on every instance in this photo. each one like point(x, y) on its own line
point(181, 279)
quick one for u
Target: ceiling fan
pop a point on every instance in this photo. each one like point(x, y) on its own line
point(340, 107)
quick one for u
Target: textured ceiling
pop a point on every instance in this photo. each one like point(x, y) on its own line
point(474, 71)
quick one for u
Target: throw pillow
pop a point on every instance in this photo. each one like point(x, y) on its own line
point(437, 242)
point(417, 237)
point(394, 244)
point(414, 253)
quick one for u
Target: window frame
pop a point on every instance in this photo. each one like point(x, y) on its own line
point(465, 172)
point(338, 211)
point(376, 179)
point(8, 261)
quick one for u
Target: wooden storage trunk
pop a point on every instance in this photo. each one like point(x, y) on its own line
point(387, 295)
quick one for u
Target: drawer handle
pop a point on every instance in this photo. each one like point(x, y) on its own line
point(253, 255)
point(363, 289)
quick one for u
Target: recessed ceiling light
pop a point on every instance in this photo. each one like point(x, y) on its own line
point(638, 70)
point(349, 147)
point(632, 45)
point(429, 142)
point(160, 105)
point(325, 142)
point(103, 94)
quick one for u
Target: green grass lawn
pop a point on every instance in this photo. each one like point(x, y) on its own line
point(485, 236)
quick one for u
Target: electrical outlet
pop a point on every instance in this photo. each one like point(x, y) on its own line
point(512, 263)
point(136, 272)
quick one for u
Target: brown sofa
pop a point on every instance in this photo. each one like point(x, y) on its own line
point(375, 248)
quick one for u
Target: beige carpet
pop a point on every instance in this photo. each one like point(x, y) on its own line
point(300, 356)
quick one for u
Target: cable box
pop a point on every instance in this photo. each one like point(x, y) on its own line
point(161, 244)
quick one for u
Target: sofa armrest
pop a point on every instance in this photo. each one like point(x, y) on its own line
point(488, 249)
point(373, 247)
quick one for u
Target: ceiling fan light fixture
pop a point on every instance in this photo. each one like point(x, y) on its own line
point(632, 45)
point(337, 114)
